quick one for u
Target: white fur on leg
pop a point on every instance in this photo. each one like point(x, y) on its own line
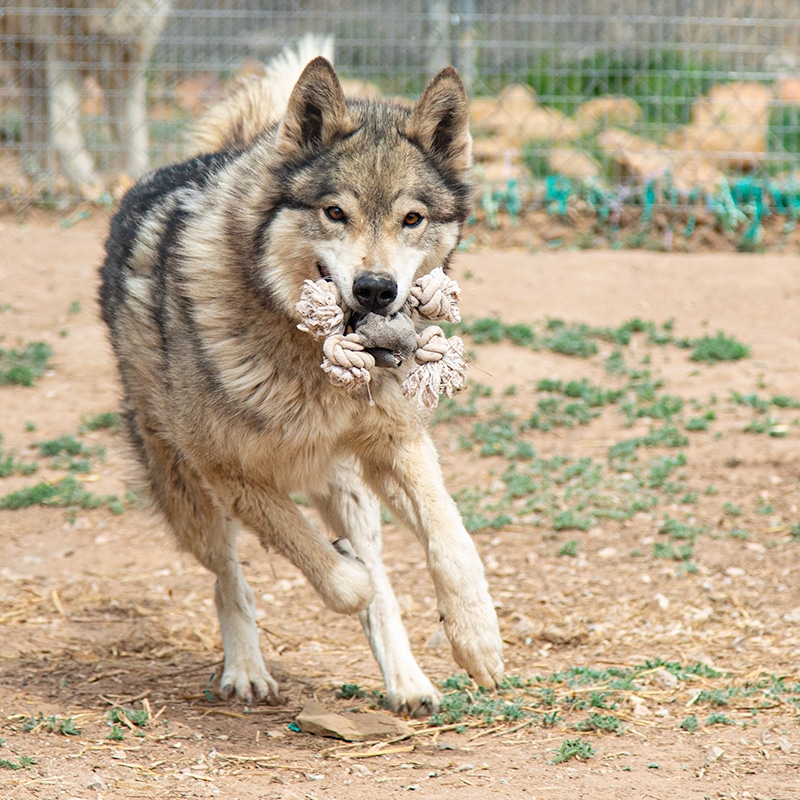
point(414, 490)
point(346, 587)
point(408, 689)
point(245, 674)
point(352, 511)
point(467, 612)
point(343, 583)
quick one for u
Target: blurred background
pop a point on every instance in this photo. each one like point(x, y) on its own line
point(596, 122)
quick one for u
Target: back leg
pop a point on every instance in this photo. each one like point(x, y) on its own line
point(201, 527)
point(28, 59)
point(64, 113)
point(352, 511)
point(122, 80)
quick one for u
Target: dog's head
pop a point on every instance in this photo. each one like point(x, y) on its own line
point(372, 194)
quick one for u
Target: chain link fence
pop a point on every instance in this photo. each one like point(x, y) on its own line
point(597, 116)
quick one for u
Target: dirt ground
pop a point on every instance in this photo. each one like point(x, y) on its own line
point(98, 611)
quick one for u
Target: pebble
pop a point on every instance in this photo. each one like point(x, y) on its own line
point(664, 679)
point(97, 784)
point(715, 754)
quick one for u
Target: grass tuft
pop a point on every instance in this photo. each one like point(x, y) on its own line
point(23, 367)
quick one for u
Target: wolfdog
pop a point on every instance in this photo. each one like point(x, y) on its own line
point(52, 47)
point(224, 399)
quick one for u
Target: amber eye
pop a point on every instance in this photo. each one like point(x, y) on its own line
point(335, 214)
point(412, 219)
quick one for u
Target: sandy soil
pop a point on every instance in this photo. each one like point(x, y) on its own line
point(98, 611)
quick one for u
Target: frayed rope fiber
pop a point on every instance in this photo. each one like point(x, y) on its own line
point(440, 367)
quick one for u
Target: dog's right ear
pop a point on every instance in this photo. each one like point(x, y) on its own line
point(317, 112)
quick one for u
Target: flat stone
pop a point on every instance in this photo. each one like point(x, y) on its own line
point(352, 727)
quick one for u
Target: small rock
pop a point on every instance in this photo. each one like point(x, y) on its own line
point(792, 616)
point(640, 710)
point(318, 720)
point(784, 745)
point(523, 626)
point(565, 634)
point(445, 746)
point(664, 679)
point(715, 754)
point(662, 601)
point(734, 572)
point(97, 784)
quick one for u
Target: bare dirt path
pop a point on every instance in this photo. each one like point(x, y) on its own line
point(648, 594)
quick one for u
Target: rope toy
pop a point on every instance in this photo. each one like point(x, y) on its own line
point(387, 341)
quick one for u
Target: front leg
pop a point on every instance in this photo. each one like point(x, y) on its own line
point(408, 478)
point(351, 510)
point(342, 582)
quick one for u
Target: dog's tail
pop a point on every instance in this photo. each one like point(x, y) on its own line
point(257, 101)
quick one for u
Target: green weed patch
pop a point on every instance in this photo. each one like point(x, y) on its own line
point(66, 493)
point(23, 367)
point(712, 349)
point(587, 699)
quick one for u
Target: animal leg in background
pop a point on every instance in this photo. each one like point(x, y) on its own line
point(64, 113)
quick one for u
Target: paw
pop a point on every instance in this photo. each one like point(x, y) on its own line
point(415, 704)
point(409, 691)
point(347, 588)
point(477, 647)
point(249, 681)
point(484, 664)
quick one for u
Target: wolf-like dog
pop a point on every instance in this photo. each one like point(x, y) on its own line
point(224, 399)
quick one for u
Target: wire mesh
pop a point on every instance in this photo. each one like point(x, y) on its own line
point(605, 105)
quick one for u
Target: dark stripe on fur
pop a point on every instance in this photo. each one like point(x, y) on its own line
point(152, 191)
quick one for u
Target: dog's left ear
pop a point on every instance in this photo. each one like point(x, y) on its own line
point(316, 113)
point(439, 122)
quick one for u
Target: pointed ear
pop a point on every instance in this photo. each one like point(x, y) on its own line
point(439, 122)
point(316, 112)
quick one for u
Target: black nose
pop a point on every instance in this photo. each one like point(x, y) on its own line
point(374, 290)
